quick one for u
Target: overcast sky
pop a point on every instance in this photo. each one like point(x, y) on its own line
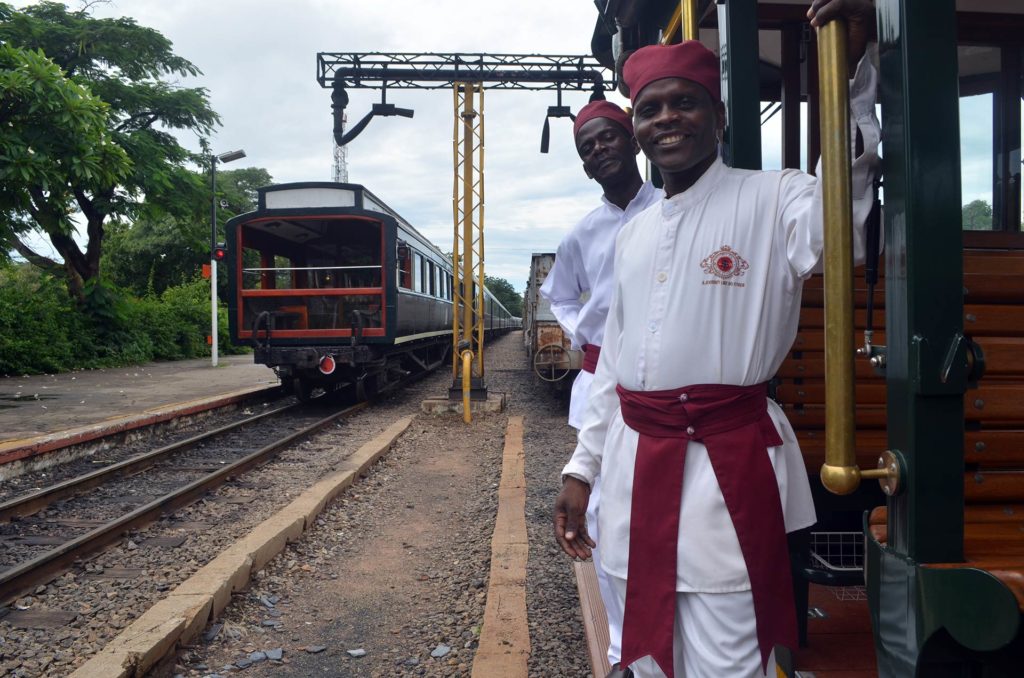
point(258, 59)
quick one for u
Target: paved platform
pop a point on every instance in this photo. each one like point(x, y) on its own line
point(34, 407)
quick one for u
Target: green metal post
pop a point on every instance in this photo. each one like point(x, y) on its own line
point(926, 360)
point(741, 89)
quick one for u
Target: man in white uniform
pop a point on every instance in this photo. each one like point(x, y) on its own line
point(604, 139)
point(705, 306)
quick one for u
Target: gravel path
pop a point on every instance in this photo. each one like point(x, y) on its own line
point(62, 624)
point(397, 567)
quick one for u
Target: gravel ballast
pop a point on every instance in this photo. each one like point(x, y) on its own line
point(390, 581)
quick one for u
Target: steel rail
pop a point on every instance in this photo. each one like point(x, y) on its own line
point(22, 577)
point(33, 502)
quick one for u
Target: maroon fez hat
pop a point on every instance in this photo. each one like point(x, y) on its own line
point(689, 60)
point(602, 109)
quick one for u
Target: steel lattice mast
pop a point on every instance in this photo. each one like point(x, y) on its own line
point(465, 74)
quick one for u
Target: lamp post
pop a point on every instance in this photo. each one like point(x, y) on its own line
point(223, 157)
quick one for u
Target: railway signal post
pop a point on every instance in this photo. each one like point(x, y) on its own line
point(215, 248)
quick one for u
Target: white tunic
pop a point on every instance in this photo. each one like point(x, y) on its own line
point(707, 291)
point(583, 265)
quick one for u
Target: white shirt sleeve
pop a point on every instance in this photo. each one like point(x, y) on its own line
point(603, 401)
point(801, 195)
point(565, 284)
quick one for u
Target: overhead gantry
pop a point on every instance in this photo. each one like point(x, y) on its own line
point(466, 75)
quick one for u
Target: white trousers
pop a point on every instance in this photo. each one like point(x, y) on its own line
point(612, 602)
point(715, 637)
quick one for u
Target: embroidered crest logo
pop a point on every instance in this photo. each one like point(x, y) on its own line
point(725, 263)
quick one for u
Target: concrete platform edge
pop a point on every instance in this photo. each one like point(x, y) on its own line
point(495, 403)
point(504, 648)
point(15, 450)
point(183, 614)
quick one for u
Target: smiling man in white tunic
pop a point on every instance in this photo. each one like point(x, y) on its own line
point(583, 266)
point(702, 475)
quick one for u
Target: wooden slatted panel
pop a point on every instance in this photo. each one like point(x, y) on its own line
point(984, 449)
point(813, 416)
point(979, 319)
point(998, 486)
point(1004, 357)
point(995, 403)
point(993, 448)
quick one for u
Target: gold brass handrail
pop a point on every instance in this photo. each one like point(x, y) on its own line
point(840, 473)
point(689, 19)
point(686, 15)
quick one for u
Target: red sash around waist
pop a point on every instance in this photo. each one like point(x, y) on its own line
point(591, 352)
point(734, 425)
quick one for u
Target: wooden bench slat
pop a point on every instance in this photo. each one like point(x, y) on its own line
point(994, 487)
point(1004, 357)
point(813, 339)
point(812, 391)
point(993, 402)
point(979, 319)
point(993, 448)
point(993, 262)
point(979, 288)
point(811, 365)
point(985, 288)
point(813, 416)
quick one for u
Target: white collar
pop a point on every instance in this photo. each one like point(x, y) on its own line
point(642, 195)
point(695, 193)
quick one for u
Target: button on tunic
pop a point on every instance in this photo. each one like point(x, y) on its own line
point(737, 245)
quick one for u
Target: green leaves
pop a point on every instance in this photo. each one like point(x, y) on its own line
point(54, 137)
point(86, 115)
point(506, 294)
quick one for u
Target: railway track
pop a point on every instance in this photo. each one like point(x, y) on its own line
point(38, 529)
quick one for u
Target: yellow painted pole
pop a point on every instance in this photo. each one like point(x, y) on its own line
point(673, 24)
point(684, 19)
point(480, 233)
point(689, 19)
point(467, 385)
point(457, 286)
point(467, 211)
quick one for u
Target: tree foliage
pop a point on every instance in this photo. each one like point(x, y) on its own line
point(100, 100)
point(54, 140)
point(42, 329)
point(151, 254)
point(506, 294)
point(977, 216)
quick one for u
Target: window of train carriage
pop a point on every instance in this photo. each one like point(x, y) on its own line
point(417, 272)
point(432, 279)
point(991, 125)
point(405, 269)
